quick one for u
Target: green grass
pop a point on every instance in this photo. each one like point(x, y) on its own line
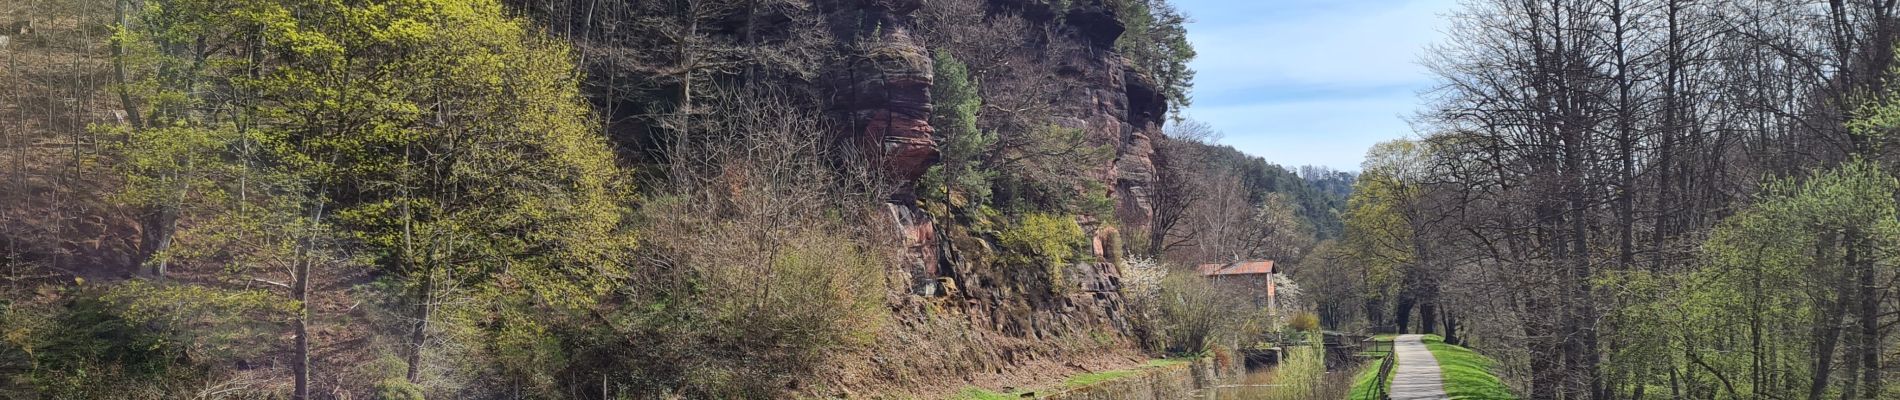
point(1362, 387)
point(1104, 376)
point(1163, 362)
point(1467, 374)
point(974, 393)
point(1095, 377)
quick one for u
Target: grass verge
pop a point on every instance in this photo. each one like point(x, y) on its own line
point(976, 393)
point(1095, 377)
point(1104, 376)
point(1467, 374)
point(973, 393)
point(1362, 387)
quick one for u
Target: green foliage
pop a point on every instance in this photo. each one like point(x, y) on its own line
point(526, 347)
point(1156, 40)
point(136, 339)
point(1052, 238)
point(1320, 199)
point(1363, 386)
point(397, 389)
point(1877, 118)
point(407, 167)
point(162, 164)
point(1380, 220)
point(1772, 270)
point(961, 179)
point(1775, 268)
point(1046, 241)
point(88, 348)
point(204, 323)
point(350, 107)
point(1378, 235)
point(1050, 169)
point(442, 141)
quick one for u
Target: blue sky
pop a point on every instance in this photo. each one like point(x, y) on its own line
point(1316, 82)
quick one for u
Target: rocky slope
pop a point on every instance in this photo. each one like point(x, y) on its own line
point(960, 285)
point(965, 314)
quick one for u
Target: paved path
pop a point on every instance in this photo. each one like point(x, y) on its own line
point(1417, 376)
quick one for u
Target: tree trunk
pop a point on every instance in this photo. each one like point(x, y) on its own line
point(1869, 340)
point(1545, 357)
point(1546, 379)
point(419, 336)
point(1828, 326)
point(1665, 157)
point(300, 291)
point(1451, 328)
point(118, 68)
point(1402, 316)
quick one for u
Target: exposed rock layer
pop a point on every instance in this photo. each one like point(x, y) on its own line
point(957, 279)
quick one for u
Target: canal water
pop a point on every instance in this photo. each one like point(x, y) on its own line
point(1302, 377)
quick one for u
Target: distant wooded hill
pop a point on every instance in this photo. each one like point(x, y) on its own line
point(1319, 192)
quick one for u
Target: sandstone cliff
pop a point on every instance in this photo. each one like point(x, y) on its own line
point(968, 317)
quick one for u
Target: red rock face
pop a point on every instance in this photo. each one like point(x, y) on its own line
point(1121, 108)
point(958, 289)
point(890, 105)
point(1147, 110)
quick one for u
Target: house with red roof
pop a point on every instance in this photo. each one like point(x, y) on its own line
point(1258, 275)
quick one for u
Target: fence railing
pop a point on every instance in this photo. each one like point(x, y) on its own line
point(1379, 381)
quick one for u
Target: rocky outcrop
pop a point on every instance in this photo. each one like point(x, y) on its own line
point(957, 282)
point(1147, 109)
point(1095, 23)
point(966, 314)
point(887, 95)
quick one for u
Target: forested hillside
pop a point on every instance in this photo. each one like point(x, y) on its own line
point(1318, 194)
point(404, 199)
point(1644, 199)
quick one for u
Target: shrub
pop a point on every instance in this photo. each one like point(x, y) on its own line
point(753, 271)
point(1304, 322)
point(1194, 314)
point(1141, 279)
point(1052, 237)
point(89, 349)
point(397, 389)
point(1180, 312)
point(1044, 240)
point(733, 314)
